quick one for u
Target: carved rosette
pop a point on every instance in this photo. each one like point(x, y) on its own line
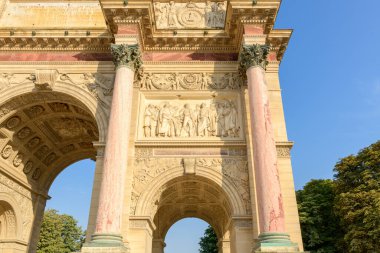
point(126, 55)
point(253, 56)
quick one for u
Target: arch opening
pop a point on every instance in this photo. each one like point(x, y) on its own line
point(45, 133)
point(191, 196)
point(8, 223)
point(41, 134)
point(185, 235)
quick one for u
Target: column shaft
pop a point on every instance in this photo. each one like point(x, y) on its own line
point(271, 212)
point(127, 59)
point(116, 154)
point(272, 236)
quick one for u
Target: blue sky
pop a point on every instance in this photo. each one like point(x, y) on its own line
point(330, 79)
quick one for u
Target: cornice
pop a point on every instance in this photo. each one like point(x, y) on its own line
point(43, 41)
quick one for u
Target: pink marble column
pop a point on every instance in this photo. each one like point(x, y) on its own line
point(271, 212)
point(109, 215)
point(269, 198)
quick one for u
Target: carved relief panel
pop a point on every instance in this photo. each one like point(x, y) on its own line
point(190, 81)
point(211, 15)
point(196, 117)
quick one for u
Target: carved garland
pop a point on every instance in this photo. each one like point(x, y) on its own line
point(190, 81)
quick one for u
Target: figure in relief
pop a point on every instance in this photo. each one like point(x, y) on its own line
point(161, 14)
point(208, 14)
point(147, 82)
point(176, 81)
point(230, 119)
point(212, 119)
point(100, 86)
point(187, 128)
point(205, 81)
point(231, 82)
point(203, 120)
point(172, 14)
point(189, 15)
point(148, 121)
point(220, 120)
point(165, 121)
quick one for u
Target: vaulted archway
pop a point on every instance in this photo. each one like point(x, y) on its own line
point(41, 133)
point(192, 197)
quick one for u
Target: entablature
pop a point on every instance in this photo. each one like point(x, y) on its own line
point(197, 26)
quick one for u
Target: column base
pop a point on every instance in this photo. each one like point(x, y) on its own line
point(105, 243)
point(276, 243)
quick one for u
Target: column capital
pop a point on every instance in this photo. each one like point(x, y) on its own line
point(126, 55)
point(253, 56)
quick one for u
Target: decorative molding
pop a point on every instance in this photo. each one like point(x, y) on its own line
point(55, 43)
point(283, 151)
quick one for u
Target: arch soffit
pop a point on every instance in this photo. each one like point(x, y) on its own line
point(7, 198)
point(143, 206)
point(84, 97)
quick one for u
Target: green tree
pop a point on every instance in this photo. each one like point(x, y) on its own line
point(320, 226)
point(209, 241)
point(60, 233)
point(357, 203)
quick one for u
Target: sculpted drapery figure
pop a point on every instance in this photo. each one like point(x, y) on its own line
point(219, 118)
point(172, 14)
point(165, 121)
point(203, 120)
point(187, 129)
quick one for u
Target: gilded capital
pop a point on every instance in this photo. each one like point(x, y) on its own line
point(253, 56)
point(126, 55)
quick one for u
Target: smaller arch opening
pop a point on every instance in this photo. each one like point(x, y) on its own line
point(190, 198)
point(185, 236)
point(8, 223)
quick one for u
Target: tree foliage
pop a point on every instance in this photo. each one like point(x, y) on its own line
point(320, 226)
point(357, 204)
point(343, 215)
point(60, 233)
point(209, 241)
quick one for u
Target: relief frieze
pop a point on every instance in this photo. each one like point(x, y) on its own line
point(190, 81)
point(199, 119)
point(172, 15)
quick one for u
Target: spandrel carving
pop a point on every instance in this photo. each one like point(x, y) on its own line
point(191, 119)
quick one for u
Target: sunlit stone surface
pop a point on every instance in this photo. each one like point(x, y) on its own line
point(179, 123)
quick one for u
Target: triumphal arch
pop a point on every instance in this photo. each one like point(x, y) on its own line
point(178, 102)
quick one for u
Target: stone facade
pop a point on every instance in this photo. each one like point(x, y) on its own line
point(157, 94)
